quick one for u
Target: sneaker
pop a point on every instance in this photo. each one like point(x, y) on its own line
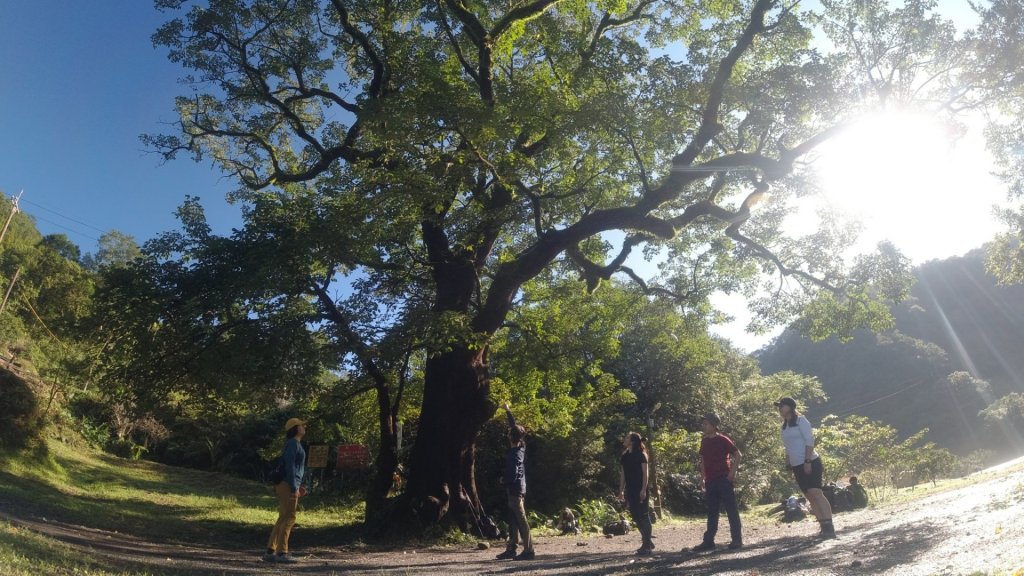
point(269, 557)
point(285, 559)
point(506, 555)
point(526, 555)
point(703, 547)
point(735, 545)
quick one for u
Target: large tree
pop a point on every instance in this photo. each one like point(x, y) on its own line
point(449, 151)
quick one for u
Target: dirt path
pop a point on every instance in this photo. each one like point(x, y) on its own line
point(977, 529)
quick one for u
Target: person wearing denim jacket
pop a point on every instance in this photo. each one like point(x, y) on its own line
point(288, 491)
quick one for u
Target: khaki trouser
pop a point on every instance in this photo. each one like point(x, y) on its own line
point(287, 503)
point(518, 527)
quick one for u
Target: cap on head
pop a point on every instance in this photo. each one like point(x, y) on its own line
point(293, 422)
point(713, 419)
point(786, 401)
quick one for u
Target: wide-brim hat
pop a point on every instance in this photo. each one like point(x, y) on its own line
point(293, 422)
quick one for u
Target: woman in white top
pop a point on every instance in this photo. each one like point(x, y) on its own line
point(798, 439)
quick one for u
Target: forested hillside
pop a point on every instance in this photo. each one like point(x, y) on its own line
point(955, 350)
point(961, 308)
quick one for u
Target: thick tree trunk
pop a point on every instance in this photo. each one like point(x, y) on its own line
point(456, 404)
point(387, 463)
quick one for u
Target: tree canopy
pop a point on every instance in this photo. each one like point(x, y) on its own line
point(408, 168)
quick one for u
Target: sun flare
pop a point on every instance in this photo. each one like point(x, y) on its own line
point(907, 178)
point(896, 160)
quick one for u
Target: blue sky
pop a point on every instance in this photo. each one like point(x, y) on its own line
point(80, 82)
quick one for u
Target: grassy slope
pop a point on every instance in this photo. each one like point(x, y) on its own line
point(147, 500)
point(25, 553)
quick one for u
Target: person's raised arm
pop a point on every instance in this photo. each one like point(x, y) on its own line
point(511, 418)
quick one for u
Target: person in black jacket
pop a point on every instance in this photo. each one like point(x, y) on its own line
point(633, 488)
point(514, 479)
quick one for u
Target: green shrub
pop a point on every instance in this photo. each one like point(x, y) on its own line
point(592, 515)
point(21, 419)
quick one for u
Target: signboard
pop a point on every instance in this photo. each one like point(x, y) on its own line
point(353, 457)
point(317, 457)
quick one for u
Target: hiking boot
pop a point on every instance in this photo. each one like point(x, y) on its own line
point(828, 531)
point(735, 545)
point(645, 550)
point(285, 559)
point(506, 555)
point(703, 547)
point(526, 555)
point(269, 557)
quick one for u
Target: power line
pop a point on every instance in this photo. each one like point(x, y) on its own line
point(45, 327)
point(52, 211)
point(920, 381)
point(72, 230)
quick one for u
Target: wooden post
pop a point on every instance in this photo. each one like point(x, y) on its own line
point(9, 289)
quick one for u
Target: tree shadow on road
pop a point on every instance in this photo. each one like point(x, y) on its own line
point(875, 552)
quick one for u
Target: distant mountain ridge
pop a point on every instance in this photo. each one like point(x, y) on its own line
point(957, 347)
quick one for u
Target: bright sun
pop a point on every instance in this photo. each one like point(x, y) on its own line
point(910, 181)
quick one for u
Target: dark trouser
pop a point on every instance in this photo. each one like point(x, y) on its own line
point(641, 514)
point(719, 494)
point(518, 527)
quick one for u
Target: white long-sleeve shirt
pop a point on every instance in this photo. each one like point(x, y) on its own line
point(797, 439)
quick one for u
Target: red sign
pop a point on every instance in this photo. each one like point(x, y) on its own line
point(353, 457)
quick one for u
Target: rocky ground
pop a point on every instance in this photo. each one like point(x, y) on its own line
point(971, 530)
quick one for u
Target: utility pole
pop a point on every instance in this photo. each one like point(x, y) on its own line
point(9, 288)
point(14, 210)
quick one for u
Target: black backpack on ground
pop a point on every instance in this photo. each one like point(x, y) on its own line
point(616, 528)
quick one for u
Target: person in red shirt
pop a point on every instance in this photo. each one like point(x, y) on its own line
point(719, 458)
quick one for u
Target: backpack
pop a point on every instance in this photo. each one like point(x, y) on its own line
point(839, 498)
point(616, 528)
point(793, 510)
point(488, 528)
point(277, 472)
